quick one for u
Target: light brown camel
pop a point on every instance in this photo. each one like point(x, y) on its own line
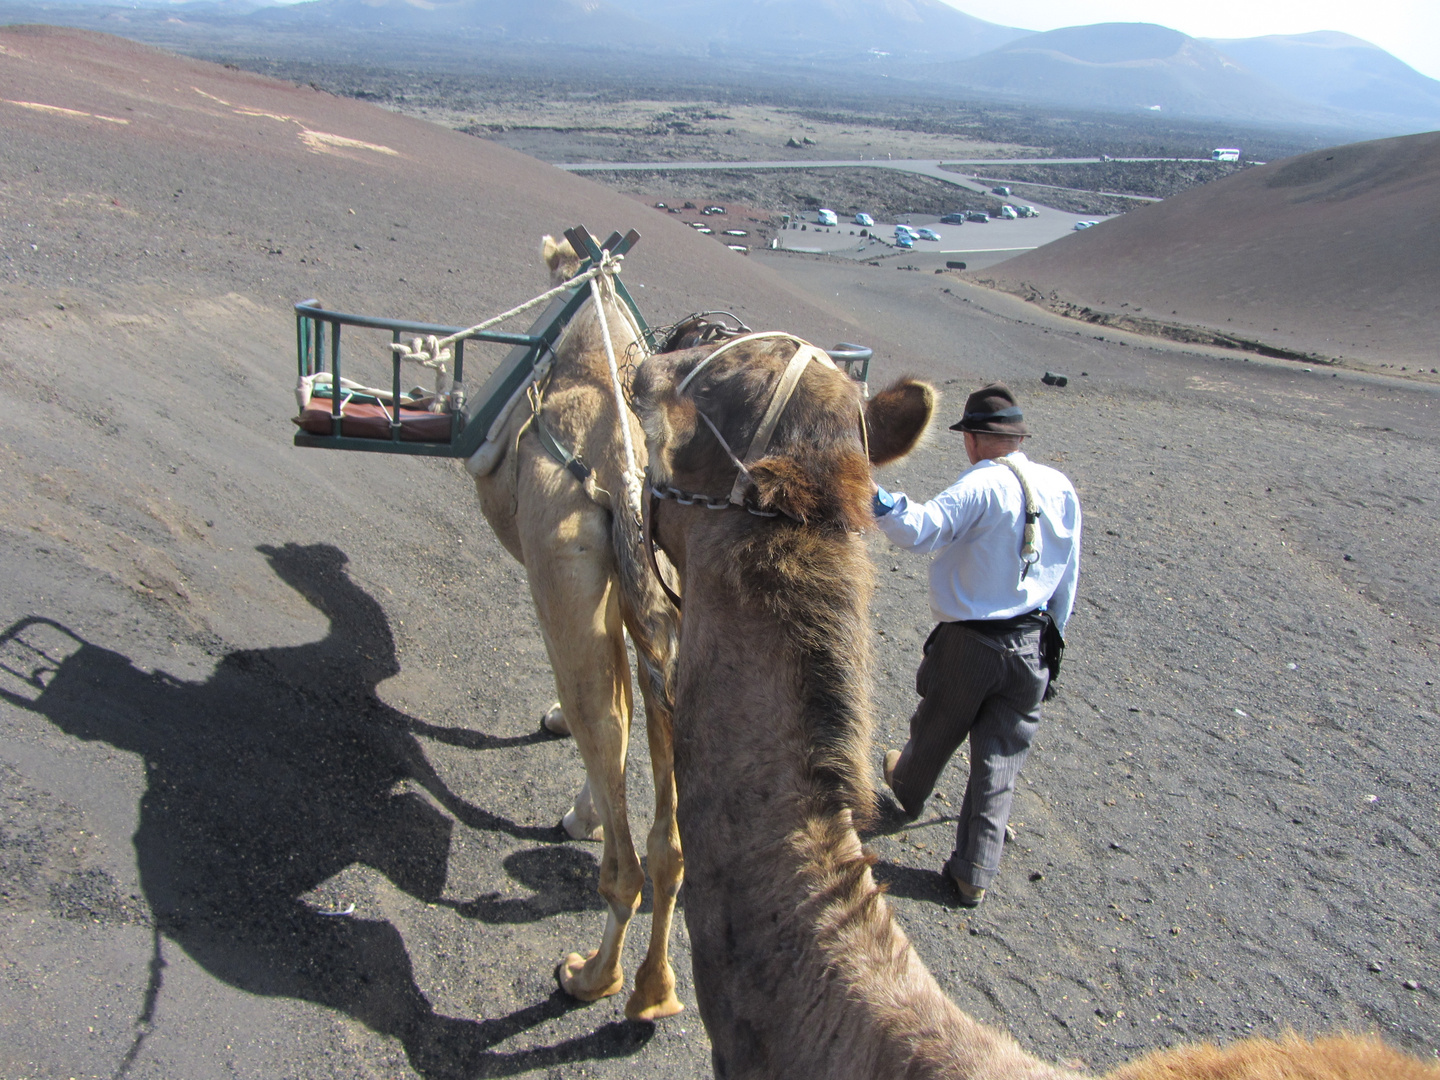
point(800, 968)
point(582, 554)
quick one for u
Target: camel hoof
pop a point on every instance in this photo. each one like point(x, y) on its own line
point(554, 721)
point(575, 828)
point(638, 1010)
point(570, 975)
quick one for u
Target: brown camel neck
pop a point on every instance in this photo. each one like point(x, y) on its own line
point(800, 968)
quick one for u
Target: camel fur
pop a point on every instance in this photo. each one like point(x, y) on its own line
point(582, 554)
point(801, 969)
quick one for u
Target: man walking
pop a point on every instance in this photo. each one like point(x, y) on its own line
point(1006, 544)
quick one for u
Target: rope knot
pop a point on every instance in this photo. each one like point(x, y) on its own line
point(428, 352)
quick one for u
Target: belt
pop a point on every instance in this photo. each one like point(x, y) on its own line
point(1028, 621)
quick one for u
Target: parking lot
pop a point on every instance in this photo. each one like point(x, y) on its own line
point(974, 243)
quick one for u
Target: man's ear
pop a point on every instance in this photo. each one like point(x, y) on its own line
point(897, 417)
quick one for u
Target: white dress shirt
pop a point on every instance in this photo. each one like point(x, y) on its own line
point(975, 528)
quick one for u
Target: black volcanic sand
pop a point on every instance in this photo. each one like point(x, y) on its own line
point(246, 686)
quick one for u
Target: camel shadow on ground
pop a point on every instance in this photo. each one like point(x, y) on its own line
point(278, 772)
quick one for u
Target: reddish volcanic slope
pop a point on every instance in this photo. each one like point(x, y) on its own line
point(1335, 252)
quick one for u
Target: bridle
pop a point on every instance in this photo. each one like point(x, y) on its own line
point(759, 443)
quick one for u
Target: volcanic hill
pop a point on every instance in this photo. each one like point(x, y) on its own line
point(1335, 253)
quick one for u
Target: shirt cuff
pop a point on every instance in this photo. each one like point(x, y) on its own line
point(883, 502)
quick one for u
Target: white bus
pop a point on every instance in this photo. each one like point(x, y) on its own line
point(1223, 153)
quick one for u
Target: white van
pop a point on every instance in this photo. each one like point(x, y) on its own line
point(1008, 213)
point(1223, 153)
point(826, 217)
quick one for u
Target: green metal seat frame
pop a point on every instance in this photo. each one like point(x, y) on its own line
point(469, 425)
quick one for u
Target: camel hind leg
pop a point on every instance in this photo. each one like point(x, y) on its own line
point(654, 630)
point(576, 599)
point(654, 993)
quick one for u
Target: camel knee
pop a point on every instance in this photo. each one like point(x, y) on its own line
point(665, 861)
point(620, 886)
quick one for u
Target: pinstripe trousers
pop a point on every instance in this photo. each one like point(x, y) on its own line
point(986, 687)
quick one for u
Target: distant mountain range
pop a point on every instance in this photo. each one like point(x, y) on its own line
point(1320, 78)
point(900, 27)
point(1323, 79)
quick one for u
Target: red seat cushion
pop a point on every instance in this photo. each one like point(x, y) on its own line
point(371, 422)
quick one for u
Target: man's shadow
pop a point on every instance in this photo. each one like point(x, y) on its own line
point(270, 778)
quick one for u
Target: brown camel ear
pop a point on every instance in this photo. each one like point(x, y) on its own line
point(832, 488)
point(896, 418)
point(560, 258)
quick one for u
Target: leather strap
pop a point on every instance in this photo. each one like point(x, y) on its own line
point(730, 345)
point(760, 444)
point(649, 531)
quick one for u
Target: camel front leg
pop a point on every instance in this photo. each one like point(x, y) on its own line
point(654, 993)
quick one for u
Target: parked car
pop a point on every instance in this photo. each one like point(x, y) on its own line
point(1027, 211)
point(1000, 190)
point(1008, 212)
point(927, 234)
point(977, 215)
point(906, 230)
point(1079, 225)
point(904, 240)
point(864, 219)
point(713, 210)
point(826, 217)
point(953, 219)
point(736, 232)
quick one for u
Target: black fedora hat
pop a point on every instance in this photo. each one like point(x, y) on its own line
point(992, 410)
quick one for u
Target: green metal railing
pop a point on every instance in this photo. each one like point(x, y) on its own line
point(317, 344)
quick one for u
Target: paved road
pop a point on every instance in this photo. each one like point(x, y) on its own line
point(936, 168)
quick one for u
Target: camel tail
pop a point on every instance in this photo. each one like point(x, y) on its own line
point(653, 622)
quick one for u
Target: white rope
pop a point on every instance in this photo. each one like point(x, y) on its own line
point(632, 473)
point(307, 386)
point(1030, 536)
point(434, 352)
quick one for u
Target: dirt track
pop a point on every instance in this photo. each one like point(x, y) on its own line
point(288, 681)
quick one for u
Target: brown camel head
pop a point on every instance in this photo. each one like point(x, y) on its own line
point(796, 562)
point(816, 470)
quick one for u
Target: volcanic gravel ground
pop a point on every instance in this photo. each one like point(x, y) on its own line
point(245, 686)
point(1227, 822)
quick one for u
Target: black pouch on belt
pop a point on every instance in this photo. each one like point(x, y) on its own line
point(1052, 649)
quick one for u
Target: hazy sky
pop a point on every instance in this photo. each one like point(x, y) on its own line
point(1409, 29)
